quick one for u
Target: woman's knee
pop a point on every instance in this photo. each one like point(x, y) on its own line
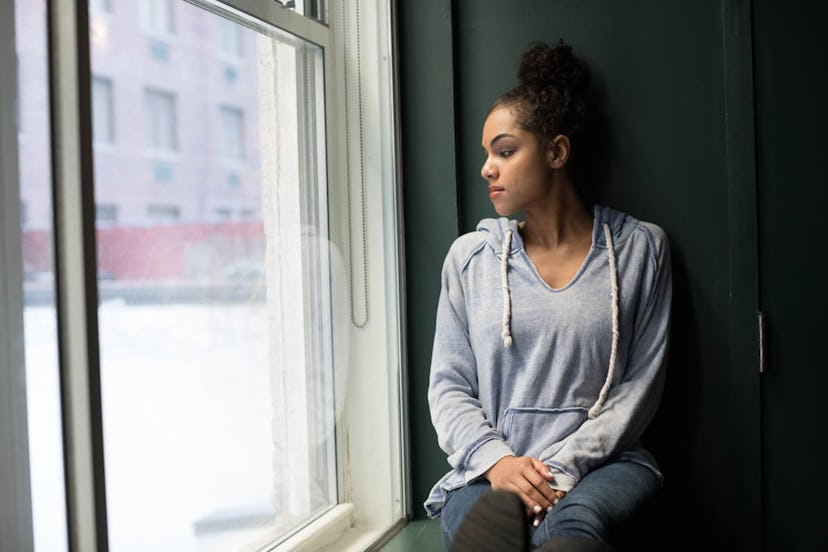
point(457, 505)
point(608, 503)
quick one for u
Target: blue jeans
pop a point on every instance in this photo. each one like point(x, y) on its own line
point(617, 503)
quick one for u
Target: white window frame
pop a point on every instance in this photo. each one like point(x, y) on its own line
point(362, 188)
point(372, 487)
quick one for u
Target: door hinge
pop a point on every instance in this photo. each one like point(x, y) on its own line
point(761, 318)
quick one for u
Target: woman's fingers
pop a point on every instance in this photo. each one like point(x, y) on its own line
point(541, 486)
point(542, 469)
point(522, 477)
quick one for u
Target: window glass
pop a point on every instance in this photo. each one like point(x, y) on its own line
point(160, 120)
point(103, 130)
point(232, 133)
point(214, 285)
point(99, 6)
point(158, 16)
point(106, 214)
point(39, 314)
point(230, 38)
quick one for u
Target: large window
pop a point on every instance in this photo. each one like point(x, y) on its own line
point(243, 323)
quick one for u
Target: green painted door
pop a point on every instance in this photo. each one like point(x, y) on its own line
point(791, 56)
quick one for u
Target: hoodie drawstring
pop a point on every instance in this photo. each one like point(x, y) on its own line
point(602, 396)
point(504, 284)
point(507, 310)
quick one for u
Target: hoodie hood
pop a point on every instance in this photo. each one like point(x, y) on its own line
point(621, 225)
point(610, 227)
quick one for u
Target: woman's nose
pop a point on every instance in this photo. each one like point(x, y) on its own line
point(487, 171)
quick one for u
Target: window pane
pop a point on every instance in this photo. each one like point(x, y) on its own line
point(102, 131)
point(161, 126)
point(230, 37)
point(214, 286)
point(232, 133)
point(40, 318)
point(158, 16)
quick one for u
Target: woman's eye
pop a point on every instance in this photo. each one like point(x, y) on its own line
point(506, 153)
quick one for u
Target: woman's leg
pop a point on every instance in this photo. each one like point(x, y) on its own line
point(612, 504)
point(457, 504)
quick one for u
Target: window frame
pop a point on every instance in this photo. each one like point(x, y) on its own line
point(372, 498)
point(16, 530)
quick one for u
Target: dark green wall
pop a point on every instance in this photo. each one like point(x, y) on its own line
point(791, 57)
point(430, 206)
point(673, 138)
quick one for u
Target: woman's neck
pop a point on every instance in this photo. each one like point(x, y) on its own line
point(561, 220)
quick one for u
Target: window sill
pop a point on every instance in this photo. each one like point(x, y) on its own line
point(334, 530)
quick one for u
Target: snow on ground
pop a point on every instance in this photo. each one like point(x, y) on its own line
point(187, 437)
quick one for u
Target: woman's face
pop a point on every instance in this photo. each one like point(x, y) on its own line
point(517, 169)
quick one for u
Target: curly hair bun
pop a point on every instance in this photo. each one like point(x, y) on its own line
point(551, 94)
point(544, 66)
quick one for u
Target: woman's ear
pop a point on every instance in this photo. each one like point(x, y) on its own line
point(557, 154)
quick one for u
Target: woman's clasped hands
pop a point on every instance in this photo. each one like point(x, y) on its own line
point(530, 479)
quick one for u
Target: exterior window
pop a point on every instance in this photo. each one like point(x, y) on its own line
point(158, 17)
point(163, 214)
point(106, 214)
point(161, 121)
point(103, 124)
point(232, 133)
point(100, 6)
point(222, 213)
point(230, 38)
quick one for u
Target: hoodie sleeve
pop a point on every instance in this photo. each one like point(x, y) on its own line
point(473, 445)
point(631, 404)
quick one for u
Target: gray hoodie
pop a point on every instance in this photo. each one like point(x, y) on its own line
point(572, 376)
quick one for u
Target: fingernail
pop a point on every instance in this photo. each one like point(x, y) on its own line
point(549, 509)
point(536, 509)
point(555, 501)
point(535, 523)
point(549, 473)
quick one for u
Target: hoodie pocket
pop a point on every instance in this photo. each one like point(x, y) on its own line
point(531, 431)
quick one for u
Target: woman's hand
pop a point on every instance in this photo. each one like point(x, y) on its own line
point(544, 471)
point(528, 478)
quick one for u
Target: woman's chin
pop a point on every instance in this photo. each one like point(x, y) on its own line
point(503, 211)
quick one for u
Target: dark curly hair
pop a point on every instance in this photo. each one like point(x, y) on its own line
point(550, 98)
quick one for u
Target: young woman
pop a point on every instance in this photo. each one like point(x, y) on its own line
point(551, 336)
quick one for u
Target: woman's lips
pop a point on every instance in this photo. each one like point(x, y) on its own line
point(495, 191)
